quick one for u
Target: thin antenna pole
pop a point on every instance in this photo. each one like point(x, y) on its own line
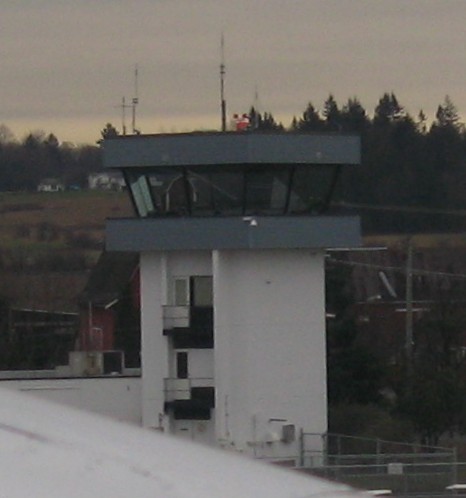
point(222, 84)
point(123, 106)
point(123, 115)
point(256, 106)
point(409, 312)
point(135, 100)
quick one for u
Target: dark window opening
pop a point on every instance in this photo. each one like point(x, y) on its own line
point(204, 394)
point(113, 362)
point(189, 409)
point(182, 365)
point(190, 340)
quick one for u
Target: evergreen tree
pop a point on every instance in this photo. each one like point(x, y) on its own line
point(433, 399)
point(421, 123)
point(310, 121)
point(268, 123)
point(332, 114)
point(447, 114)
point(354, 374)
point(109, 131)
point(354, 117)
point(265, 122)
point(294, 124)
point(6, 135)
point(388, 109)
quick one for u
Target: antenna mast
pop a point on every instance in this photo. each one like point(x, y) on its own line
point(222, 85)
point(256, 106)
point(123, 106)
point(135, 100)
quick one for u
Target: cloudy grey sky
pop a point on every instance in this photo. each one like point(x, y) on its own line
point(66, 64)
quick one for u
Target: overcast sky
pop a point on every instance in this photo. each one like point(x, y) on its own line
point(66, 64)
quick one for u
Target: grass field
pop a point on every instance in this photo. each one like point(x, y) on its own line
point(51, 220)
point(49, 242)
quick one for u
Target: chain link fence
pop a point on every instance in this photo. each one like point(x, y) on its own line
point(375, 464)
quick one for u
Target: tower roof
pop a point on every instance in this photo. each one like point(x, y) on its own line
point(194, 149)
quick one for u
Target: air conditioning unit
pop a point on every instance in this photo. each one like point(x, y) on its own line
point(113, 362)
point(95, 363)
point(288, 433)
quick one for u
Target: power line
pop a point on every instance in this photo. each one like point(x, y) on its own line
point(407, 209)
point(399, 269)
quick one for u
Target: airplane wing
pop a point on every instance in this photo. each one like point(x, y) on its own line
point(51, 451)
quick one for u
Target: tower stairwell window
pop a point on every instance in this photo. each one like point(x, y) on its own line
point(182, 365)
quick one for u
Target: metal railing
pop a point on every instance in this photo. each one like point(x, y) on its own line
point(196, 318)
point(176, 317)
point(367, 463)
point(180, 389)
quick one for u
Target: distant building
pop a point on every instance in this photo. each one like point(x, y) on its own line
point(50, 185)
point(107, 180)
point(109, 309)
point(39, 339)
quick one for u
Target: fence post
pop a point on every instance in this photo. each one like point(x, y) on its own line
point(377, 455)
point(337, 459)
point(454, 465)
point(301, 448)
point(325, 449)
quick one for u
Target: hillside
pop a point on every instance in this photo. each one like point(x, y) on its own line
point(58, 220)
point(49, 242)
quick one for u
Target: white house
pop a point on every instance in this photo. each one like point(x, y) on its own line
point(50, 185)
point(232, 236)
point(106, 180)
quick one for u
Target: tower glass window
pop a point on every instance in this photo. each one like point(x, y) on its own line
point(231, 190)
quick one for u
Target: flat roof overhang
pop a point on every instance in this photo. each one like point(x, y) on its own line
point(250, 232)
point(196, 149)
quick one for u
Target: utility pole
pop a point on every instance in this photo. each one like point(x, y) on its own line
point(409, 310)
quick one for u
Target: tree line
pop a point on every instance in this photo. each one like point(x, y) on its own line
point(25, 163)
point(377, 389)
point(412, 175)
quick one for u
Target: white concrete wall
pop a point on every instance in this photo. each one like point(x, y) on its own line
point(269, 347)
point(154, 345)
point(201, 431)
point(268, 362)
point(201, 363)
point(116, 397)
point(187, 264)
point(157, 272)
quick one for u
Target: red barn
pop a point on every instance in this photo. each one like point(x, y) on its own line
point(109, 307)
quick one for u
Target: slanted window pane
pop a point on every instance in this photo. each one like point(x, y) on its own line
point(266, 190)
point(141, 195)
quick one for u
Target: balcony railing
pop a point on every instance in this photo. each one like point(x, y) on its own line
point(198, 319)
point(175, 317)
point(181, 389)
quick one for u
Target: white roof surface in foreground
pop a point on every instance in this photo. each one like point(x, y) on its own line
point(49, 451)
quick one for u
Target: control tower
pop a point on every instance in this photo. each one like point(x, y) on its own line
point(232, 230)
